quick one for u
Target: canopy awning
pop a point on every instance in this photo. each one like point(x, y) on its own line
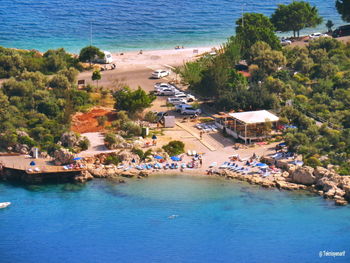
point(252, 117)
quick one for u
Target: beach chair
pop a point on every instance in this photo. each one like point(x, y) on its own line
point(213, 164)
point(266, 174)
point(224, 165)
point(246, 171)
point(198, 126)
point(213, 128)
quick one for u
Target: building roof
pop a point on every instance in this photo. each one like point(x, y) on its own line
point(251, 117)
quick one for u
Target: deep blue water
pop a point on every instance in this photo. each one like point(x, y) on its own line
point(129, 24)
point(218, 221)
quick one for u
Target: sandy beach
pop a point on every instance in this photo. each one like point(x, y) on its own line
point(135, 69)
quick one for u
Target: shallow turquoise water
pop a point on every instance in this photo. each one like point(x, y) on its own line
point(120, 25)
point(218, 221)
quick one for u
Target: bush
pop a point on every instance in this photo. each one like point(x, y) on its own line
point(132, 101)
point(26, 140)
point(174, 148)
point(142, 155)
point(110, 139)
point(131, 128)
point(84, 144)
point(313, 162)
point(150, 116)
point(113, 159)
point(101, 120)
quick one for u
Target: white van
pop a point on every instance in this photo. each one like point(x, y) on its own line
point(107, 59)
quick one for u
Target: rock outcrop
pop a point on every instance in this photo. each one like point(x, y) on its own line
point(84, 177)
point(63, 156)
point(22, 148)
point(69, 139)
point(303, 175)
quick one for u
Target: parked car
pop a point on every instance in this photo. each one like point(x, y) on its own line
point(176, 101)
point(160, 73)
point(342, 31)
point(188, 97)
point(317, 35)
point(285, 42)
point(186, 109)
point(162, 85)
point(167, 92)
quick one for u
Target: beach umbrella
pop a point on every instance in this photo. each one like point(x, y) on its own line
point(154, 137)
point(175, 158)
point(283, 144)
point(158, 157)
point(77, 158)
point(32, 163)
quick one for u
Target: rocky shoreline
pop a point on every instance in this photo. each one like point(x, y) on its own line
point(319, 180)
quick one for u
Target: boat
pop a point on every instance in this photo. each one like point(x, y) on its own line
point(4, 204)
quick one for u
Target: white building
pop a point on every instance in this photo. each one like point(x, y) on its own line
point(248, 126)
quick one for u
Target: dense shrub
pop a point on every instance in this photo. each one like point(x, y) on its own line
point(113, 159)
point(174, 148)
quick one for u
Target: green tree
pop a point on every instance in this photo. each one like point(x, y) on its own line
point(174, 148)
point(267, 59)
point(88, 54)
point(60, 82)
point(96, 76)
point(55, 60)
point(101, 120)
point(343, 7)
point(255, 27)
point(132, 101)
point(295, 17)
point(329, 25)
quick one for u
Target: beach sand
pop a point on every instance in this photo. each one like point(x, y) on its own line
point(135, 69)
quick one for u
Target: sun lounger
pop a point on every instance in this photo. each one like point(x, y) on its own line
point(246, 170)
point(224, 165)
point(266, 174)
point(213, 128)
point(198, 126)
point(213, 164)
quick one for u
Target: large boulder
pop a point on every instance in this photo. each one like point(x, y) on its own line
point(22, 148)
point(69, 139)
point(22, 133)
point(303, 175)
point(320, 172)
point(326, 184)
point(63, 156)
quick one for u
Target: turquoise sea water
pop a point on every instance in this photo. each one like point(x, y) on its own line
point(120, 25)
point(218, 221)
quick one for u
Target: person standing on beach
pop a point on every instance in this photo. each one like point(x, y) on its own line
point(201, 135)
point(200, 161)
